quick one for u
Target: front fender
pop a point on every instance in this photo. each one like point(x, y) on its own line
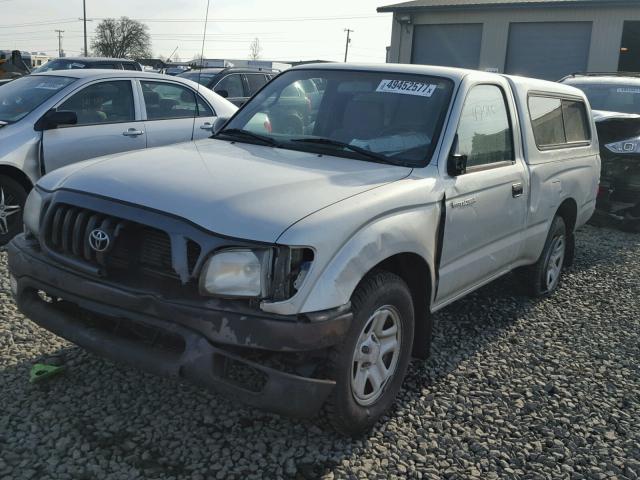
point(411, 231)
point(332, 280)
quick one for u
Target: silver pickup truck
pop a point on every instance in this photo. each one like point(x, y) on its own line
point(295, 265)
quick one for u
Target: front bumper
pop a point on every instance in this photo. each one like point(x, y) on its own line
point(208, 346)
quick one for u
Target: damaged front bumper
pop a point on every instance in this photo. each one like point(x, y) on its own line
point(270, 362)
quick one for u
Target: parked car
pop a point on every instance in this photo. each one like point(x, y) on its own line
point(176, 70)
point(296, 270)
point(53, 119)
point(75, 63)
point(615, 99)
point(235, 84)
point(13, 64)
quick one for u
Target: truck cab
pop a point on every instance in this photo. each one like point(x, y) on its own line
point(299, 268)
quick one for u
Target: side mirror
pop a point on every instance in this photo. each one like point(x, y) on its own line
point(456, 164)
point(218, 123)
point(222, 93)
point(54, 118)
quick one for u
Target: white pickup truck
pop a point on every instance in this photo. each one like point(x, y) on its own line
point(295, 262)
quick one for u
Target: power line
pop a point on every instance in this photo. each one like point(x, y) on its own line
point(251, 20)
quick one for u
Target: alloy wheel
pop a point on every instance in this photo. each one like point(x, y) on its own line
point(8, 209)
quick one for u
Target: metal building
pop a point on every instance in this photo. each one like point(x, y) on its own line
point(539, 38)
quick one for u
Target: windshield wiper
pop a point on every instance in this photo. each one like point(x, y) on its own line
point(376, 157)
point(241, 133)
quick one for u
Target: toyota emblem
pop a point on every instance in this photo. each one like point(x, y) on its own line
point(99, 240)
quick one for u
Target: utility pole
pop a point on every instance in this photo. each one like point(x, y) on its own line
point(60, 52)
point(84, 16)
point(346, 48)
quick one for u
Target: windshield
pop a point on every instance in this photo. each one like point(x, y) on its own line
point(59, 65)
point(374, 116)
point(203, 78)
point(20, 97)
point(611, 97)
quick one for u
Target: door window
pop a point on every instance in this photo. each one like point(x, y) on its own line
point(104, 102)
point(484, 132)
point(204, 110)
point(232, 84)
point(256, 82)
point(168, 100)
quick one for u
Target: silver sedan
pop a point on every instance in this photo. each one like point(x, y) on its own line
point(52, 119)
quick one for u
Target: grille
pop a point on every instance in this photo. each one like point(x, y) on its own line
point(132, 247)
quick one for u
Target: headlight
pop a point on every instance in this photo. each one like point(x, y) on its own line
point(32, 211)
point(626, 146)
point(236, 273)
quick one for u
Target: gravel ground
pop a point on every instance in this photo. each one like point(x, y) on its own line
point(515, 389)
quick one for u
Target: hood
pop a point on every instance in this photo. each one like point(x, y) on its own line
point(238, 190)
point(615, 126)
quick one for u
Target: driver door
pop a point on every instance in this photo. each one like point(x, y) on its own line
point(107, 123)
point(486, 206)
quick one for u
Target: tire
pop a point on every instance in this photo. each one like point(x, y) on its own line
point(12, 198)
point(543, 277)
point(355, 405)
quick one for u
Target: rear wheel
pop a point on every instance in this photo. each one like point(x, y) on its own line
point(12, 198)
point(371, 363)
point(543, 277)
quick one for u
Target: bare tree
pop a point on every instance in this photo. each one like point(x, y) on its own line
point(255, 50)
point(122, 38)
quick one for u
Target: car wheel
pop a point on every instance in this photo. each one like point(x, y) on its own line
point(370, 365)
point(543, 277)
point(12, 198)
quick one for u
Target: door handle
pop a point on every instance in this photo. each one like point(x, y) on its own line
point(206, 126)
point(132, 132)
point(517, 190)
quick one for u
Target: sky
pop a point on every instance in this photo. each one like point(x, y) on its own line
point(287, 30)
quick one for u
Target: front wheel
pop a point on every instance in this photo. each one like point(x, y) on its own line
point(12, 199)
point(370, 365)
point(543, 277)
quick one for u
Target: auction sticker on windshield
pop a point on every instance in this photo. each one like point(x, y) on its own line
point(407, 87)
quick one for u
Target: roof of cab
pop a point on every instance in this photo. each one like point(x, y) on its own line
point(447, 72)
point(456, 74)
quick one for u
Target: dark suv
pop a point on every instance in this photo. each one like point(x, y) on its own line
point(69, 63)
point(615, 100)
point(235, 84)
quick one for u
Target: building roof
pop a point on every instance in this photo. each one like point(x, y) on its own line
point(454, 4)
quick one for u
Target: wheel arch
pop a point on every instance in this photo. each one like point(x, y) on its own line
point(17, 175)
point(416, 273)
point(568, 210)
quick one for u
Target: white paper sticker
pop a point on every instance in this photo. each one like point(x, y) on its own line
point(407, 87)
point(628, 90)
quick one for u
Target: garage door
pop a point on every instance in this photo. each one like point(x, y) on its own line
point(455, 45)
point(548, 50)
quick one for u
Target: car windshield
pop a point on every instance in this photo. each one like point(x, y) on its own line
point(60, 65)
point(376, 116)
point(611, 97)
point(203, 78)
point(20, 97)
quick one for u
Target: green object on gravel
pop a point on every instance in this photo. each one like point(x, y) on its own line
point(41, 371)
